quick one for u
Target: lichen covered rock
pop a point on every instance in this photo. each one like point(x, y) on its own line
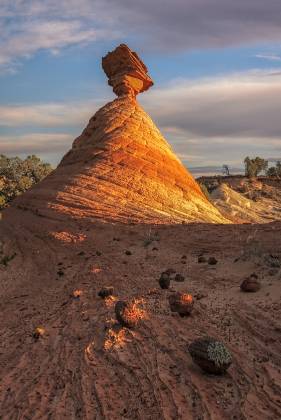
point(211, 355)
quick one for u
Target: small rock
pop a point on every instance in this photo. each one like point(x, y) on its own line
point(212, 261)
point(106, 292)
point(128, 252)
point(164, 281)
point(200, 296)
point(250, 284)
point(201, 259)
point(60, 272)
point(182, 303)
point(273, 271)
point(179, 277)
point(170, 271)
point(98, 253)
point(254, 275)
point(211, 355)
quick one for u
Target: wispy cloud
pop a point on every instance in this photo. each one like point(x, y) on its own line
point(28, 26)
point(237, 105)
point(269, 57)
point(208, 121)
point(35, 143)
point(47, 115)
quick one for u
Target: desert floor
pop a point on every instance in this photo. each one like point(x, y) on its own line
point(86, 366)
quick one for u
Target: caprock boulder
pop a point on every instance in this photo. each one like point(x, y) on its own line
point(121, 168)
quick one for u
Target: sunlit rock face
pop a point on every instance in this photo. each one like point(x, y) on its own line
point(126, 73)
point(121, 168)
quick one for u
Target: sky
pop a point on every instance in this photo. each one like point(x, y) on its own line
point(216, 65)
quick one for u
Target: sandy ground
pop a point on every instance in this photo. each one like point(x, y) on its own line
point(87, 367)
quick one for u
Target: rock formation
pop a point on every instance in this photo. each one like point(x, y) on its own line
point(121, 168)
point(126, 73)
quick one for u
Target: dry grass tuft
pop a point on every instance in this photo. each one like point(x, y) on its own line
point(130, 313)
point(115, 338)
point(38, 332)
point(134, 311)
point(77, 294)
point(110, 301)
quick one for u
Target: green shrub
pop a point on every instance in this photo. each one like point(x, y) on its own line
point(204, 190)
point(18, 175)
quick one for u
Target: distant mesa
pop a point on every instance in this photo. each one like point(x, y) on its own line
point(121, 168)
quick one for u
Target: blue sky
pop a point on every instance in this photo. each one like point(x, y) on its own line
point(216, 67)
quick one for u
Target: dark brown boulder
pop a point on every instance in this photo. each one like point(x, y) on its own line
point(212, 261)
point(182, 303)
point(250, 285)
point(211, 355)
point(106, 292)
point(164, 281)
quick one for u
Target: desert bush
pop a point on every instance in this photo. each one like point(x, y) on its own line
point(274, 171)
point(4, 260)
point(255, 166)
point(204, 190)
point(18, 175)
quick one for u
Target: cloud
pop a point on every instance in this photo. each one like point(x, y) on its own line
point(220, 119)
point(240, 105)
point(207, 121)
point(185, 24)
point(47, 115)
point(270, 57)
point(39, 143)
point(28, 26)
point(42, 35)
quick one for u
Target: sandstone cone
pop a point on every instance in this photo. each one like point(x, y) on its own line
point(121, 168)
